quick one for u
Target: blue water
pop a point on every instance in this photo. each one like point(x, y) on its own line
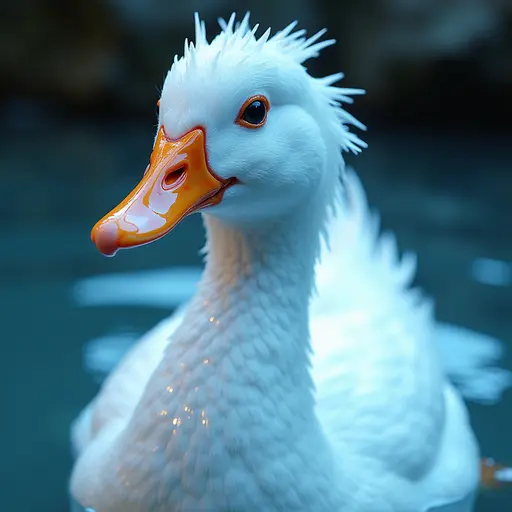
point(448, 196)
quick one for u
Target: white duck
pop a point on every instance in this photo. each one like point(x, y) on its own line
point(252, 406)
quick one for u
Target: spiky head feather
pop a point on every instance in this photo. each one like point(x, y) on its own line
point(237, 42)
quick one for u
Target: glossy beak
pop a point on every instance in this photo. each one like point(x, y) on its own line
point(176, 183)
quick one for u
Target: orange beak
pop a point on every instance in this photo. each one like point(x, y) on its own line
point(176, 183)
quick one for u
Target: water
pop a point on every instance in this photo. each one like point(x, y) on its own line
point(447, 196)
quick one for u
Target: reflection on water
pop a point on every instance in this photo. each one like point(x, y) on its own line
point(415, 180)
point(492, 272)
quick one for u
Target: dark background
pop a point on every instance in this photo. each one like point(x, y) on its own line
point(78, 92)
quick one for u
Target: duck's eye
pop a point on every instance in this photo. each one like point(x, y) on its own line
point(253, 113)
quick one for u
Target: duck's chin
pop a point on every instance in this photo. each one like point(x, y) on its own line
point(246, 208)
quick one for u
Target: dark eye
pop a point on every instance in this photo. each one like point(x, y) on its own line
point(253, 113)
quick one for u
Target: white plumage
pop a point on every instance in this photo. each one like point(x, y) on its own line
point(253, 403)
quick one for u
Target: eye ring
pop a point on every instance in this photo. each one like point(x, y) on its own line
point(242, 118)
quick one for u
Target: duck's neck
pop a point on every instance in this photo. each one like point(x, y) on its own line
point(249, 323)
point(234, 387)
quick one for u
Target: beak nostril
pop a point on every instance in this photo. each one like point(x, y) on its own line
point(174, 177)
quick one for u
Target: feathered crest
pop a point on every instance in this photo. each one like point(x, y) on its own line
point(240, 39)
point(288, 42)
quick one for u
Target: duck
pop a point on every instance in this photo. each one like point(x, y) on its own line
point(252, 402)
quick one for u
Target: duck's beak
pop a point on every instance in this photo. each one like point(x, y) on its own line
point(176, 183)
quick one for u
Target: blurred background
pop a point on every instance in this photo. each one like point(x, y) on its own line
point(78, 94)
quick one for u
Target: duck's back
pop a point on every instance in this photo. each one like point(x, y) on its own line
point(384, 404)
point(382, 396)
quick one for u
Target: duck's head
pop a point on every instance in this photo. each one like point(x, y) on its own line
point(244, 133)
